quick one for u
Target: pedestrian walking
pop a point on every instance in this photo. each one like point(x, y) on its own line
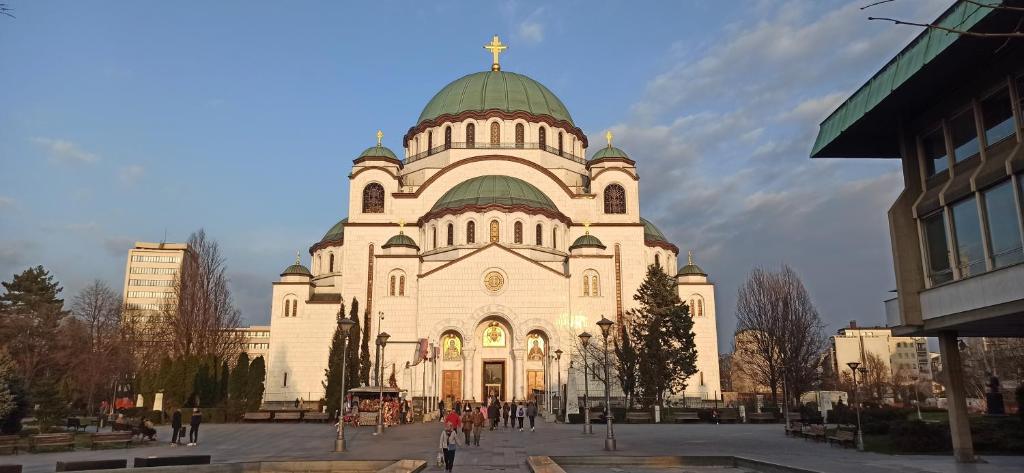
point(506, 413)
point(478, 425)
point(449, 443)
point(453, 418)
point(176, 432)
point(440, 410)
point(458, 407)
point(493, 414)
point(467, 423)
point(193, 430)
point(520, 414)
point(531, 412)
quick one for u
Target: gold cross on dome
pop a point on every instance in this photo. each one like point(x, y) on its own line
point(380, 136)
point(401, 227)
point(495, 47)
point(298, 259)
point(608, 136)
point(586, 227)
point(689, 257)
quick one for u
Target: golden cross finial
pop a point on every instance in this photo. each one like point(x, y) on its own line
point(380, 136)
point(586, 227)
point(608, 136)
point(298, 260)
point(689, 257)
point(401, 227)
point(495, 47)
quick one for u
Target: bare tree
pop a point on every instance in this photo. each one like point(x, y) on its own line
point(877, 379)
point(1001, 7)
point(100, 351)
point(200, 322)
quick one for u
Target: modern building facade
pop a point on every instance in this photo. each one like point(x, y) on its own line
point(493, 238)
point(948, 106)
point(254, 340)
point(906, 359)
point(149, 277)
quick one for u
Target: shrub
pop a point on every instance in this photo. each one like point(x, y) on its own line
point(919, 437)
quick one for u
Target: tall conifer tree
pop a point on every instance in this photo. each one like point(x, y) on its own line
point(332, 375)
point(352, 365)
point(254, 384)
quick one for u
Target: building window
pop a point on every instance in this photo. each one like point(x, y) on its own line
point(495, 133)
point(391, 288)
point(470, 135)
point(319, 263)
point(520, 135)
point(471, 232)
point(591, 286)
point(614, 199)
point(430, 142)
point(657, 260)
point(447, 137)
point(451, 235)
point(287, 308)
point(559, 143)
point(997, 117)
point(540, 235)
point(295, 308)
point(933, 147)
point(936, 248)
point(433, 237)
point(285, 379)
point(967, 230)
point(330, 263)
point(542, 137)
point(373, 198)
point(586, 285)
point(517, 233)
point(416, 149)
point(1003, 226)
point(700, 308)
point(965, 135)
point(401, 285)
point(554, 237)
point(495, 231)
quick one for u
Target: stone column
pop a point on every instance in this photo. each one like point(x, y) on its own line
point(468, 368)
point(519, 373)
point(959, 426)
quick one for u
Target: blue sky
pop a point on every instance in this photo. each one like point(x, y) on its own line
point(121, 121)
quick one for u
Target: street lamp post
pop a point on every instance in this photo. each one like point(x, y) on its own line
point(377, 352)
point(344, 325)
point(609, 440)
point(382, 340)
point(558, 367)
point(853, 368)
point(917, 396)
point(587, 428)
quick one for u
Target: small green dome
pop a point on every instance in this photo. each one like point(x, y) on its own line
point(495, 90)
point(651, 233)
point(296, 270)
point(692, 270)
point(400, 240)
point(336, 233)
point(377, 152)
point(587, 241)
point(609, 152)
point(497, 190)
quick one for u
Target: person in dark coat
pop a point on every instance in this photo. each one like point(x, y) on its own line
point(531, 412)
point(176, 433)
point(193, 430)
point(506, 413)
point(493, 413)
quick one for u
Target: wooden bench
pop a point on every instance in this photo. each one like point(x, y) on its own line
point(10, 468)
point(843, 436)
point(180, 460)
point(9, 442)
point(92, 465)
point(685, 416)
point(794, 428)
point(256, 416)
point(760, 417)
point(729, 415)
point(814, 432)
point(110, 438)
point(288, 416)
point(639, 417)
point(316, 417)
point(51, 440)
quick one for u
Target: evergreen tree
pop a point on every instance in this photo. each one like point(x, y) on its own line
point(254, 384)
point(13, 400)
point(626, 362)
point(52, 406)
point(662, 329)
point(332, 375)
point(352, 365)
point(222, 383)
point(364, 349)
point(239, 380)
point(30, 320)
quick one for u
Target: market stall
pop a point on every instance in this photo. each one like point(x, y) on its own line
point(365, 405)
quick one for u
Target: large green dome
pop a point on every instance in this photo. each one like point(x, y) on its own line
point(651, 232)
point(494, 190)
point(495, 90)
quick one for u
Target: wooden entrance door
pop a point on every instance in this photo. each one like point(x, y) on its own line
point(451, 386)
point(534, 382)
point(493, 379)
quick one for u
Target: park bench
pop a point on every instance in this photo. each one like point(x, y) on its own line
point(757, 417)
point(685, 416)
point(256, 416)
point(288, 416)
point(815, 432)
point(794, 428)
point(638, 417)
point(795, 416)
point(86, 465)
point(316, 417)
point(9, 442)
point(110, 438)
point(10, 468)
point(51, 440)
point(74, 423)
point(843, 436)
point(729, 415)
point(179, 460)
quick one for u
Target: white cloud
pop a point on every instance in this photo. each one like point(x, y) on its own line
point(131, 174)
point(117, 246)
point(65, 151)
point(531, 31)
point(6, 202)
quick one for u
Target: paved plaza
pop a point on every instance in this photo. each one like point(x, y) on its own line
point(506, 450)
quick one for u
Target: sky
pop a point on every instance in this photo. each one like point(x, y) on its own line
point(143, 121)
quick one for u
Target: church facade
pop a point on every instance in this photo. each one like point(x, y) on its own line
point(493, 238)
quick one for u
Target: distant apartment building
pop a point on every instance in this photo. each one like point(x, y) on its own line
point(254, 341)
point(905, 358)
point(149, 277)
point(742, 373)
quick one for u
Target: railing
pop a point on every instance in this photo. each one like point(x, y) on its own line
point(487, 145)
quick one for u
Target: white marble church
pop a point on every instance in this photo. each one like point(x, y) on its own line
point(495, 238)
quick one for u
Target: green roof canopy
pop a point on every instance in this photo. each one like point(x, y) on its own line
point(495, 90)
point(651, 233)
point(378, 151)
point(501, 190)
point(400, 240)
point(296, 270)
point(587, 241)
point(337, 232)
point(609, 152)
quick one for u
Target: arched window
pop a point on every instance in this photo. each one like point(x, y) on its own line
point(495, 133)
point(614, 199)
point(430, 142)
point(416, 148)
point(401, 285)
point(287, 308)
point(391, 288)
point(657, 260)
point(540, 235)
point(520, 135)
point(471, 232)
point(591, 286)
point(447, 137)
point(373, 198)
point(595, 288)
point(542, 137)
point(700, 308)
point(554, 237)
point(693, 307)
point(495, 231)
point(470, 135)
point(319, 263)
point(560, 144)
point(433, 237)
point(586, 285)
point(451, 235)
point(517, 231)
point(330, 263)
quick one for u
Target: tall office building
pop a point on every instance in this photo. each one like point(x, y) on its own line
point(149, 278)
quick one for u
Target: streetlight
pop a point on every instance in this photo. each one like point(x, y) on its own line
point(558, 367)
point(853, 368)
point(382, 340)
point(587, 429)
point(609, 440)
point(344, 325)
point(377, 354)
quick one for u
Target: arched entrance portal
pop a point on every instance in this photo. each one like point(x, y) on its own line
point(494, 337)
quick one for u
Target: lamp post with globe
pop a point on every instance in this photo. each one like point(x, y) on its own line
point(609, 440)
point(854, 369)
point(558, 367)
point(585, 343)
point(344, 326)
point(382, 341)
